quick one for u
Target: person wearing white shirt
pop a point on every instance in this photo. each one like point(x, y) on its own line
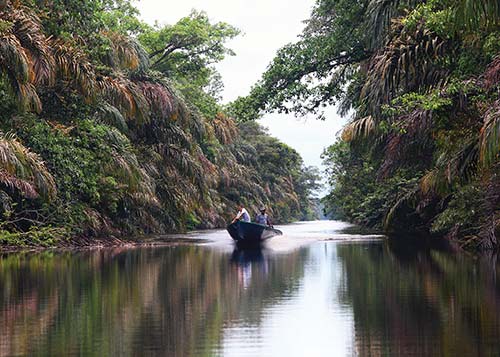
point(242, 214)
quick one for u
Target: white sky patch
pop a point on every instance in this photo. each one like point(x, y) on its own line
point(267, 26)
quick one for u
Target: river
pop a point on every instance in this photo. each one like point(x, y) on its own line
point(316, 291)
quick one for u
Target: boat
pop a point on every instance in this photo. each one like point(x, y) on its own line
point(251, 234)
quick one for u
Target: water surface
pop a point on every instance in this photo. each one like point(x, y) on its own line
point(314, 292)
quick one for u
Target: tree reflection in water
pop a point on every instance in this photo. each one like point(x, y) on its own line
point(375, 298)
point(421, 302)
point(165, 301)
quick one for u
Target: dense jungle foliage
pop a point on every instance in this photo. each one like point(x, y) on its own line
point(112, 127)
point(421, 80)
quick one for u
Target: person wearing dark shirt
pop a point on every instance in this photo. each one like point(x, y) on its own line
point(263, 218)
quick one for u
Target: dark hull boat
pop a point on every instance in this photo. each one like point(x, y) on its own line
point(251, 234)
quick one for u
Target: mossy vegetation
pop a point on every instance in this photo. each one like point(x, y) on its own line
point(112, 127)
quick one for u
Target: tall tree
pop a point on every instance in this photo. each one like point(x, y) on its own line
point(186, 53)
point(421, 79)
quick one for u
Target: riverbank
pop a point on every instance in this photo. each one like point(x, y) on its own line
point(292, 231)
point(102, 243)
point(343, 231)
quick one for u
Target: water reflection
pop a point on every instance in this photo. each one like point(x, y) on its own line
point(247, 263)
point(422, 303)
point(163, 301)
point(321, 299)
point(247, 256)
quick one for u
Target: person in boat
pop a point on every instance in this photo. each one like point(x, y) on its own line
point(242, 214)
point(263, 218)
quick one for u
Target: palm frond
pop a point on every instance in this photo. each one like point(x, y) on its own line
point(24, 170)
point(463, 165)
point(492, 74)
point(126, 96)
point(490, 136)
point(405, 199)
point(126, 53)
point(208, 167)
point(183, 161)
point(380, 14)
point(126, 168)
point(173, 134)
point(491, 225)
point(244, 153)
point(28, 97)
point(410, 140)
point(197, 125)
point(161, 100)
point(74, 66)
point(28, 30)
point(434, 182)
point(14, 59)
point(408, 62)
point(359, 129)
point(225, 128)
point(111, 116)
point(460, 166)
point(14, 183)
point(476, 14)
point(17, 66)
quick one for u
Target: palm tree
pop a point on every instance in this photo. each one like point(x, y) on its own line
point(474, 14)
point(23, 171)
point(414, 59)
point(489, 138)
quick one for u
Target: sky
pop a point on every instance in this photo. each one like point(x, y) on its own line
point(266, 26)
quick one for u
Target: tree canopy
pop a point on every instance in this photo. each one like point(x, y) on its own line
point(420, 79)
point(112, 127)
